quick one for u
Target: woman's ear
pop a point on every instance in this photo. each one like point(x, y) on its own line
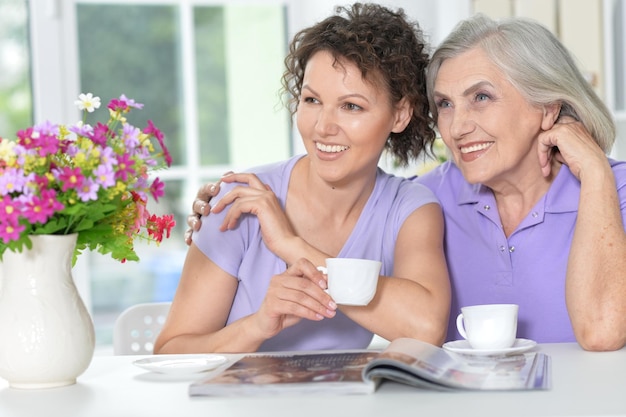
point(404, 112)
point(550, 115)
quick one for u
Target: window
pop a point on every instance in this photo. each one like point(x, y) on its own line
point(208, 74)
point(15, 92)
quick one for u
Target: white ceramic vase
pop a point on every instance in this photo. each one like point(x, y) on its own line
point(46, 334)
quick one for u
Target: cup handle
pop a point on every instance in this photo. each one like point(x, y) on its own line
point(459, 325)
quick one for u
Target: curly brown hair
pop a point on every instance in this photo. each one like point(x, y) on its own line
point(390, 52)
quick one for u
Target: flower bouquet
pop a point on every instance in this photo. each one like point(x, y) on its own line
point(90, 180)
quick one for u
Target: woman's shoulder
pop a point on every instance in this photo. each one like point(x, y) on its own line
point(273, 174)
point(619, 171)
point(445, 179)
point(394, 188)
point(274, 169)
point(618, 167)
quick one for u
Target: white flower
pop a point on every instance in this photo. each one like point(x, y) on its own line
point(6, 149)
point(87, 102)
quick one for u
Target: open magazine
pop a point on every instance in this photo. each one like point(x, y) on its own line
point(407, 361)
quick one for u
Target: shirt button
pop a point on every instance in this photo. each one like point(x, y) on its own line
point(502, 248)
point(535, 214)
point(512, 249)
point(487, 207)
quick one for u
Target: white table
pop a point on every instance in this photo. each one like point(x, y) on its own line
point(583, 384)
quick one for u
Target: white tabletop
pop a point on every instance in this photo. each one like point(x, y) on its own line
point(583, 384)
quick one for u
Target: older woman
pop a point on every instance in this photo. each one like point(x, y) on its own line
point(534, 210)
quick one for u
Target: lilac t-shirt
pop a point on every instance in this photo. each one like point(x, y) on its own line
point(242, 253)
point(529, 267)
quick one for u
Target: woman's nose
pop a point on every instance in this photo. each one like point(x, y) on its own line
point(461, 123)
point(326, 124)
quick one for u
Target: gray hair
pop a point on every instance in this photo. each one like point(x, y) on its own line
point(536, 63)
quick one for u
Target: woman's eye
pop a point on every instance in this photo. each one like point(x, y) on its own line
point(482, 97)
point(309, 100)
point(442, 104)
point(352, 107)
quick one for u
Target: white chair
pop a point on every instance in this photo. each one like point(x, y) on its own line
point(137, 327)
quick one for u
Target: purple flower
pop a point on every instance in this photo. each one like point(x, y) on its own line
point(12, 180)
point(104, 175)
point(130, 136)
point(88, 190)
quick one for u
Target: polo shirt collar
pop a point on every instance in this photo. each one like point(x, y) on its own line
point(562, 196)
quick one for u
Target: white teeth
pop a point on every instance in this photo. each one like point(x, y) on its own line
point(474, 148)
point(331, 148)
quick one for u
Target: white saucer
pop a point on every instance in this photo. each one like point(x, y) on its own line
point(463, 346)
point(180, 364)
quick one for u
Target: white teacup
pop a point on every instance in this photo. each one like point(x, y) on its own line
point(352, 281)
point(489, 326)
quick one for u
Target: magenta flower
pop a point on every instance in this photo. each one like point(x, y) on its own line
point(52, 203)
point(100, 134)
point(157, 189)
point(8, 211)
point(25, 137)
point(124, 167)
point(47, 144)
point(70, 178)
point(151, 129)
point(37, 210)
point(10, 230)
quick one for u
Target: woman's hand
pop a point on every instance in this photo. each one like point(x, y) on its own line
point(571, 144)
point(296, 294)
point(258, 199)
point(200, 207)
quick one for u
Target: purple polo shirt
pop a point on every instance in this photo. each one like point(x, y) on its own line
point(529, 267)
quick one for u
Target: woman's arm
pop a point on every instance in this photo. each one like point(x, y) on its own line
point(196, 322)
point(415, 302)
point(596, 272)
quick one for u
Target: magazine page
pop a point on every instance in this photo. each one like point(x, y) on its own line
point(423, 365)
point(266, 374)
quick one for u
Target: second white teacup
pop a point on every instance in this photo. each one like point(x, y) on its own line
point(489, 326)
point(352, 281)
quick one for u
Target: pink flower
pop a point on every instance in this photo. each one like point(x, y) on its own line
point(36, 210)
point(124, 167)
point(70, 178)
point(157, 189)
point(100, 134)
point(10, 231)
point(151, 129)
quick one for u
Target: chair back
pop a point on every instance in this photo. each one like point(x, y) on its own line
point(137, 328)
